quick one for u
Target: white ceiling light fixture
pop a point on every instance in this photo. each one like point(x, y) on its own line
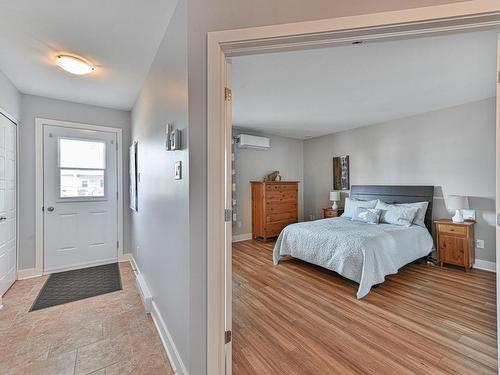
point(74, 65)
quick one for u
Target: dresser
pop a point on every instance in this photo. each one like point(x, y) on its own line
point(274, 206)
point(455, 243)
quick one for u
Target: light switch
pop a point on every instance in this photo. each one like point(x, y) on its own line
point(480, 244)
point(178, 170)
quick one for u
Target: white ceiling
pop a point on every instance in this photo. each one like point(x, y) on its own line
point(316, 92)
point(120, 37)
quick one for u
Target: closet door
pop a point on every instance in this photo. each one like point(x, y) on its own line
point(8, 252)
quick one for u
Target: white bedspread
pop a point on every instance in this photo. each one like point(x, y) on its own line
point(364, 253)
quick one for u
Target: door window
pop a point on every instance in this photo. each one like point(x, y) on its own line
point(82, 168)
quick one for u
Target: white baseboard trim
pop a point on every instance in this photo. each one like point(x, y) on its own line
point(125, 257)
point(242, 237)
point(166, 338)
point(485, 265)
point(28, 273)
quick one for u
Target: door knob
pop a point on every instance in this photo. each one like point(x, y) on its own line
point(50, 209)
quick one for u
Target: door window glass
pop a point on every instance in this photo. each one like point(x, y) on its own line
point(82, 168)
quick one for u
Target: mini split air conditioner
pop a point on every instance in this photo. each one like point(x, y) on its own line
point(253, 142)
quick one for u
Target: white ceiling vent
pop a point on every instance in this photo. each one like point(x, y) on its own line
point(253, 142)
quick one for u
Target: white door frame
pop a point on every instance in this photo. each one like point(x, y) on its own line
point(39, 217)
point(433, 20)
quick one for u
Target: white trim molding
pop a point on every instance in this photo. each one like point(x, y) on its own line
point(242, 237)
point(27, 273)
point(166, 338)
point(432, 20)
point(485, 265)
point(39, 233)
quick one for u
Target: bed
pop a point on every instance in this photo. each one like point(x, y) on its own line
point(364, 253)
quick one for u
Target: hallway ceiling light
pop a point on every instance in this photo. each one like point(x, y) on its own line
point(74, 65)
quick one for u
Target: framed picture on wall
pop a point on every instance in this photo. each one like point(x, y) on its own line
point(341, 173)
point(133, 176)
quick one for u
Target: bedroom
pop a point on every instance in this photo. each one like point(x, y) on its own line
point(408, 112)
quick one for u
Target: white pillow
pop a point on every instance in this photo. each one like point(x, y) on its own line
point(351, 205)
point(367, 215)
point(396, 214)
point(421, 211)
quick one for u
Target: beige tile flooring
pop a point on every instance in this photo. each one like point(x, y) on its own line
point(108, 334)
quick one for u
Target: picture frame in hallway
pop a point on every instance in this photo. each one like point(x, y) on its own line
point(341, 173)
point(133, 176)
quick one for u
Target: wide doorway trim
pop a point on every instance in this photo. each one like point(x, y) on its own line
point(427, 21)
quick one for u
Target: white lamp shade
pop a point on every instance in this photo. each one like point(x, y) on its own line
point(457, 202)
point(334, 196)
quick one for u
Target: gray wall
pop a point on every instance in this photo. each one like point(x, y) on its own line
point(204, 16)
point(35, 106)
point(285, 155)
point(10, 98)
point(160, 227)
point(452, 149)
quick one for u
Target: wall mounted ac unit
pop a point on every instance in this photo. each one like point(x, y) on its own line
point(253, 142)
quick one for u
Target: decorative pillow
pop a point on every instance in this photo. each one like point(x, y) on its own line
point(351, 205)
point(367, 215)
point(396, 214)
point(421, 211)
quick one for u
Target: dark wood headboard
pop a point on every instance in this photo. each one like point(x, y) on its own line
point(397, 194)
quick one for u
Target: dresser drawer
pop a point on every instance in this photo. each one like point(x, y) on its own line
point(282, 216)
point(453, 229)
point(281, 187)
point(275, 229)
point(273, 207)
point(281, 196)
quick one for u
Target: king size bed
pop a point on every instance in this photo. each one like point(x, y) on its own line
point(361, 251)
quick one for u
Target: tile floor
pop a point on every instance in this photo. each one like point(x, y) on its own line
point(108, 334)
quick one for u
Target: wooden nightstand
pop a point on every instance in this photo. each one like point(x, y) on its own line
point(455, 243)
point(329, 212)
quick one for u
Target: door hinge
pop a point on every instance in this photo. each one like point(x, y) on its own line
point(228, 335)
point(116, 195)
point(117, 244)
point(228, 215)
point(116, 146)
point(228, 94)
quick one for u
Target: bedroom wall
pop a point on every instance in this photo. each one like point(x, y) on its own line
point(160, 227)
point(452, 149)
point(10, 98)
point(285, 155)
point(36, 106)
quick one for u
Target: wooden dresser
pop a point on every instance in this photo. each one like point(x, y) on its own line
point(455, 243)
point(274, 206)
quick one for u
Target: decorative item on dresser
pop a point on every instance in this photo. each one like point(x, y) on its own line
point(455, 242)
point(274, 206)
point(330, 212)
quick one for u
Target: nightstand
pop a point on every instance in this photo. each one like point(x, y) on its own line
point(455, 243)
point(329, 212)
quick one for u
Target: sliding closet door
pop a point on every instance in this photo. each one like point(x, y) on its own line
point(8, 252)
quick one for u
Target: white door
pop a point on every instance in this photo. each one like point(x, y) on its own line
point(80, 198)
point(8, 253)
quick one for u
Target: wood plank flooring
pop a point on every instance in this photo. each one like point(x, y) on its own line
point(297, 318)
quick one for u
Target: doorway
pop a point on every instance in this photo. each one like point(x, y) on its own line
point(222, 45)
point(80, 198)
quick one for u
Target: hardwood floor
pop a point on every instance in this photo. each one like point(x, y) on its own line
point(297, 318)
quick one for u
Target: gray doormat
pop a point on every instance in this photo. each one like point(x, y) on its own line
point(69, 286)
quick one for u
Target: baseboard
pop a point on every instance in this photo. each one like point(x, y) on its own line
point(125, 257)
point(166, 338)
point(485, 265)
point(242, 237)
point(28, 273)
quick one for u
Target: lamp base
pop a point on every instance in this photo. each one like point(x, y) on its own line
point(334, 205)
point(458, 218)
